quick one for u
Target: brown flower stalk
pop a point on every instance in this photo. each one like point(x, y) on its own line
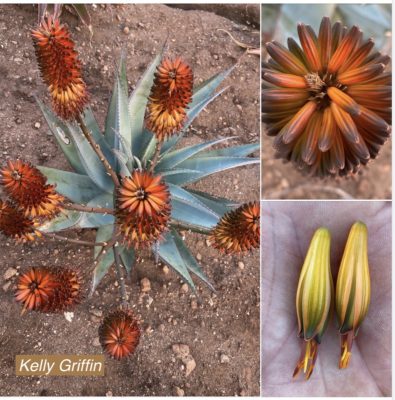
point(328, 102)
point(170, 95)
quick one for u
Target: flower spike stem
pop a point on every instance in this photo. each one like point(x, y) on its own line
point(121, 279)
point(155, 158)
point(74, 241)
point(80, 207)
point(97, 150)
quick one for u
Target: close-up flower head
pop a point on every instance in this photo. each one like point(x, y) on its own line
point(327, 101)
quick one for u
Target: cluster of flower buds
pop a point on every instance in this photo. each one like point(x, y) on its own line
point(31, 200)
point(48, 290)
point(315, 295)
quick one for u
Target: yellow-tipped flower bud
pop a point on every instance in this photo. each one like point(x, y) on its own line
point(352, 289)
point(314, 299)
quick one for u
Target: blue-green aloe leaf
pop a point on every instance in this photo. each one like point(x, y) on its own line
point(62, 135)
point(65, 220)
point(137, 104)
point(123, 124)
point(104, 234)
point(233, 151)
point(172, 159)
point(190, 211)
point(168, 252)
point(128, 257)
point(78, 188)
point(218, 204)
point(93, 127)
point(176, 171)
point(193, 112)
point(112, 112)
point(91, 162)
point(190, 260)
point(208, 166)
point(95, 220)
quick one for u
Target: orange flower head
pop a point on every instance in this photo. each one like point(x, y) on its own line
point(35, 289)
point(26, 185)
point(119, 334)
point(60, 68)
point(238, 230)
point(14, 224)
point(170, 95)
point(67, 293)
point(328, 101)
point(143, 205)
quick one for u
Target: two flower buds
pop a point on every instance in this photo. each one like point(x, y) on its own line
point(316, 296)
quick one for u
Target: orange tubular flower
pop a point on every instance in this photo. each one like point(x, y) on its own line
point(60, 68)
point(119, 334)
point(238, 230)
point(26, 185)
point(143, 208)
point(170, 95)
point(35, 289)
point(15, 224)
point(328, 102)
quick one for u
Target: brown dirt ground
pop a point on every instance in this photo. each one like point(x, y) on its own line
point(224, 323)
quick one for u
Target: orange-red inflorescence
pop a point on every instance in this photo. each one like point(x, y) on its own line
point(170, 95)
point(143, 208)
point(60, 68)
point(328, 102)
point(119, 334)
point(27, 187)
point(49, 291)
point(238, 230)
point(35, 288)
point(14, 224)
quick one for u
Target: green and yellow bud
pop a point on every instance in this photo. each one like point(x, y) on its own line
point(314, 299)
point(352, 289)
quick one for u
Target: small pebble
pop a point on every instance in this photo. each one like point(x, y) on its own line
point(224, 359)
point(184, 288)
point(241, 265)
point(145, 285)
point(199, 257)
point(126, 30)
point(9, 273)
point(37, 125)
point(179, 392)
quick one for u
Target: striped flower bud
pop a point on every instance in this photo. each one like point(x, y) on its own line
point(352, 289)
point(314, 299)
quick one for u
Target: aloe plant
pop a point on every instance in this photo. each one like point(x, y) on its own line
point(127, 144)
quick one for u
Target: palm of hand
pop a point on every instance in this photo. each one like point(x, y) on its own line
point(287, 228)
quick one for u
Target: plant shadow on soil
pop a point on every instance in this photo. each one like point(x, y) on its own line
point(212, 325)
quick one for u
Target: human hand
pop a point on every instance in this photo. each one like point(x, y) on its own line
point(287, 228)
